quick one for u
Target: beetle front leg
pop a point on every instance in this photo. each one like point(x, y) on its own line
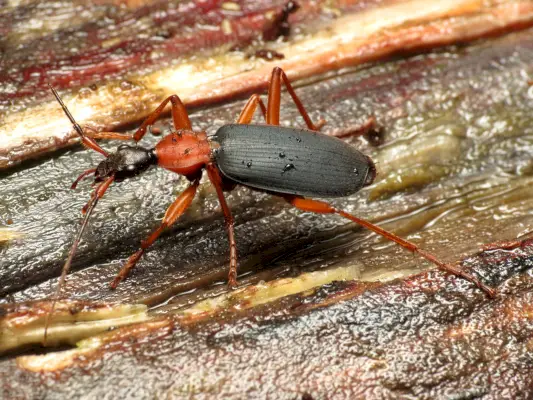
point(179, 116)
point(82, 176)
point(216, 180)
point(321, 207)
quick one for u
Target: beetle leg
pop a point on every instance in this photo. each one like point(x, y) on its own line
point(216, 180)
point(274, 96)
point(179, 116)
point(115, 135)
point(324, 208)
point(175, 210)
point(83, 175)
point(248, 111)
point(108, 135)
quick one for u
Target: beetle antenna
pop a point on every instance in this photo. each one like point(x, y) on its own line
point(97, 194)
point(77, 127)
point(86, 140)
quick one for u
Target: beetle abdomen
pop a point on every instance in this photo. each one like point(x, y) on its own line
point(292, 161)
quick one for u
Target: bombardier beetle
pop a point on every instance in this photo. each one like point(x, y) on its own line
point(295, 164)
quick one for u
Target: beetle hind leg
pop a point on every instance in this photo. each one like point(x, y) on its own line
point(248, 111)
point(274, 98)
point(321, 207)
point(272, 110)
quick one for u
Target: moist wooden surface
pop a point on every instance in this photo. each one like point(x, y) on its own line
point(117, 76)
point(454, 173)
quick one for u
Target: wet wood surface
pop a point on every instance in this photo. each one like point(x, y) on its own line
point(328, 310)
point(118, 75)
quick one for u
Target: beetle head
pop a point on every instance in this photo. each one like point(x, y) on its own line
point(126, 162)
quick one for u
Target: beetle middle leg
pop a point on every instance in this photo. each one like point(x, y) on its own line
point(216, 180)
point(175, 210)
point(321, 207)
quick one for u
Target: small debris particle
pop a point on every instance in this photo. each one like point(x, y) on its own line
point(269, 55)
point(230, 6)
point(226, 27)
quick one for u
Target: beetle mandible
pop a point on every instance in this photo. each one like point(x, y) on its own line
point(252, 155)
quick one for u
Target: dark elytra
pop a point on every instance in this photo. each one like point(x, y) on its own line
point(291, 161)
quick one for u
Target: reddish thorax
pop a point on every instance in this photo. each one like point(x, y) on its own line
point(184, 152)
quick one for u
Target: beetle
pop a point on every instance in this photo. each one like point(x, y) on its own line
point(295, 164)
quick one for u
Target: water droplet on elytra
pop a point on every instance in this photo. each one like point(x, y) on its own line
point(299, 140)
point(356, 171)
point(249, 164)
point(281, 154)
point(288, 167)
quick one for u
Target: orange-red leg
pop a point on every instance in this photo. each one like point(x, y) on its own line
point(175, 210)
point(179, 116)
point(82, 176)
point(109, 135)
point(248, 111)
point(116, 135)
point(274, 97)
point(324, 208)
point(369, 129)
point(216, 180)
